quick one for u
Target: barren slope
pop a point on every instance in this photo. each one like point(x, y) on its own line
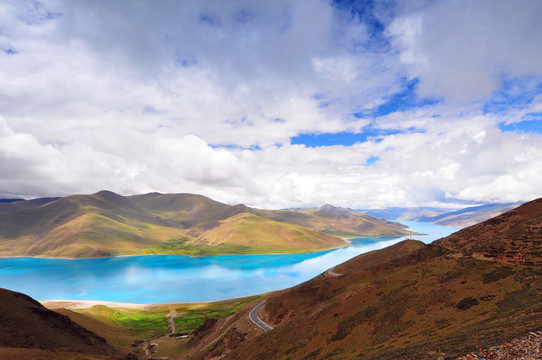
point(28, 330)
point(410, 300)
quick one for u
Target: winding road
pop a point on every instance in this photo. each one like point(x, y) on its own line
point(333, 273)
point(256, 320)
point(253, 315)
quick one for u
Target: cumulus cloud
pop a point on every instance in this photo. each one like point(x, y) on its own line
point(204, 97)
point(463, 52)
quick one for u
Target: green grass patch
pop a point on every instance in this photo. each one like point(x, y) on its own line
point(172, 246)
point(141, 323)
point(140, 320)
point(343, 235)
point(154, 322)
point(190, 321)
point(184, 247)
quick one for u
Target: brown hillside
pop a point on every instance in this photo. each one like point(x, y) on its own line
point(26, 324)
point(512, 237)
point(409, 301)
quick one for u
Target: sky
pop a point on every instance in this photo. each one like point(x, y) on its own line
point(274, 104)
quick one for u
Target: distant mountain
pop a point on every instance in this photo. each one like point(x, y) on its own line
point(7, 205)
point(478, 287)
point(469, 216)
point(10, 200)
point(30, 331)
point(446, 217)
point(105, 224)
point(405, 213)
point(338, 221)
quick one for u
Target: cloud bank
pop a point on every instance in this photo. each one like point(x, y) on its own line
point(205, 97)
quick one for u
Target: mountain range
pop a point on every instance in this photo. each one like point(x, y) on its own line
point(108, 224)
point(446, 217)
point(464, 294)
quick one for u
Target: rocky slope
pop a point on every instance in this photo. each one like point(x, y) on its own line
point(28, 330)
point(476, 288)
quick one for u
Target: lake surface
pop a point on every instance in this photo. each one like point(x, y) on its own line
point(178, 278)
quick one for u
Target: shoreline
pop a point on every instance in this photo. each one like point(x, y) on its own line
point(347, 240)
point(85, 304)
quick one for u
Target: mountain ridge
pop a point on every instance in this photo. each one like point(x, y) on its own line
point(407, 301)
point(108, 224)
point(443, 216)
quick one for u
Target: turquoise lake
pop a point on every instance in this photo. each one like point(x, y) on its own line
point(177, 278)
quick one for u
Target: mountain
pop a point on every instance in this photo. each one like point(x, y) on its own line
point(446, 217)
point(405, 213)
point(82, 226)
point(470, 215)
point(28, 330)
point(106, 224)
point(10, 200)
point(338, 221)
point(478, 287)
point(7, 205)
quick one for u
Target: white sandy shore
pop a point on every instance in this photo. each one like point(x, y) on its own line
point(85, 304)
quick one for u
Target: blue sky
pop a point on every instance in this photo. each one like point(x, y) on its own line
point(286, 103)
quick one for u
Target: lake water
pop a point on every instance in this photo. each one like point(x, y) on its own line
point(177, 278)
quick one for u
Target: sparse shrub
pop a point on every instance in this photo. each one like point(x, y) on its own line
point(497, 274)
point(344, 328)
point(467, 303)
point(442, 323)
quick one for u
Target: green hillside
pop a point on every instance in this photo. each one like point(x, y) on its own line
point(108, 224)
point(82, 226)
point(256, 234)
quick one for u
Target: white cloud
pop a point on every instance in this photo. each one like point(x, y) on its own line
point(463, 51)
point(135, 98)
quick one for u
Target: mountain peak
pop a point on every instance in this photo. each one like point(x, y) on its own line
point(107, 195)
point(333, 210)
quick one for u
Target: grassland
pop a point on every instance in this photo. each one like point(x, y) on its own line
point(129, 328)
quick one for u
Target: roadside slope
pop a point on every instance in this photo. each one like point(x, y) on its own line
point(412, 300)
